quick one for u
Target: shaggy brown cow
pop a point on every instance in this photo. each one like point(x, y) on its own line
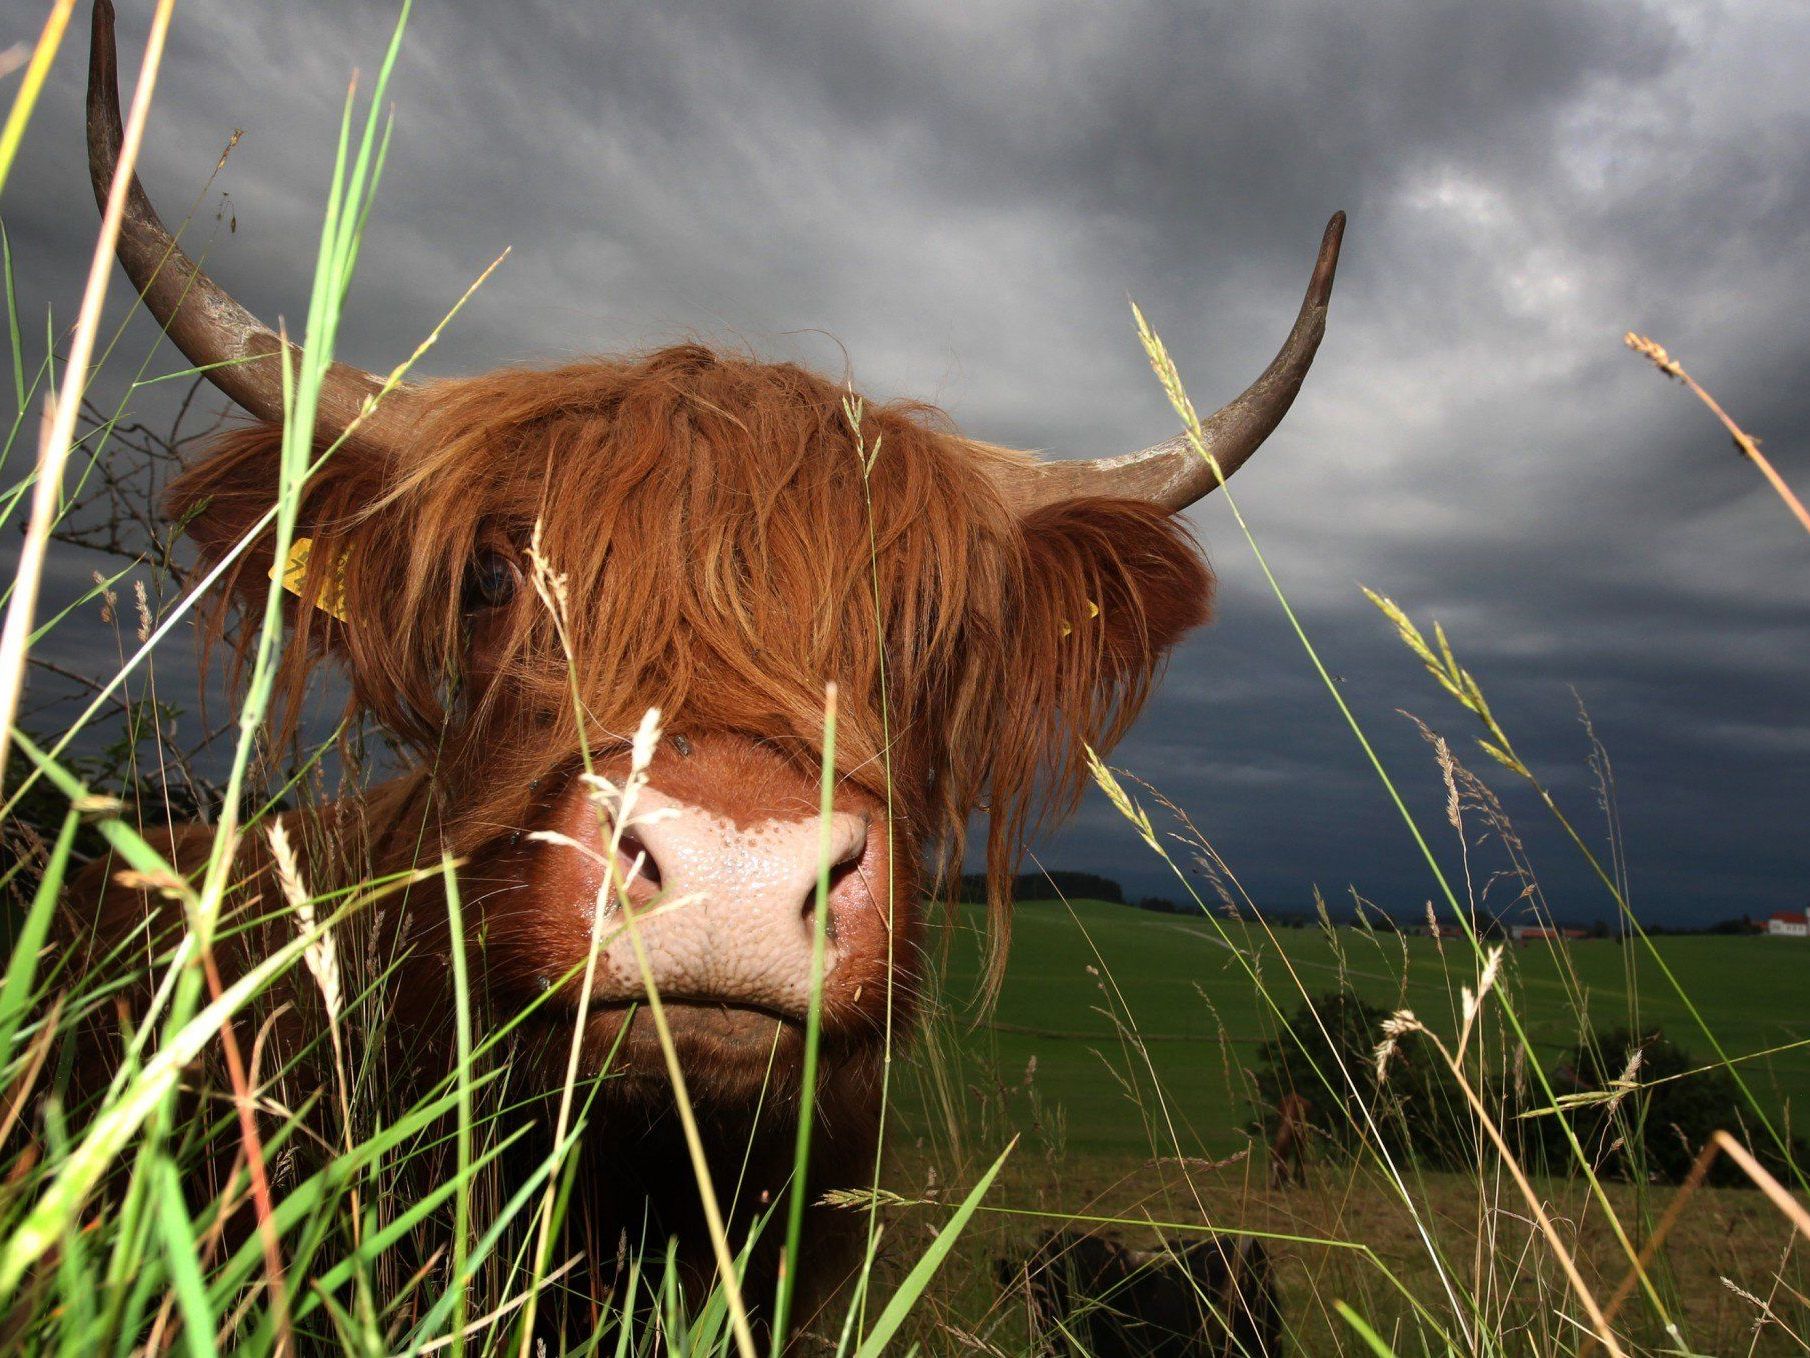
point(726, 552)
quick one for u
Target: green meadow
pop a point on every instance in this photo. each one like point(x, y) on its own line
point(1119, 1053)
point(1111, 1002)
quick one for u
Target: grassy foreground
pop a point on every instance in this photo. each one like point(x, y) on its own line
point(1340, 1237)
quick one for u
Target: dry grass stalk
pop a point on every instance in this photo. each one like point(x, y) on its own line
point(1655, 354)
point(321, 956)
point(1403, 1022)
point(1777, 1192)
point(1693, 1181)
point(34, 1066)
point(615, 808)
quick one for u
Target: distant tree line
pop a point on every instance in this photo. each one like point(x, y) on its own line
point(1092, 886)
point(1074, 886)
point(1044, 886)
point(1162, 905)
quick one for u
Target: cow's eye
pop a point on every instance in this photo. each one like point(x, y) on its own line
point(490, 581)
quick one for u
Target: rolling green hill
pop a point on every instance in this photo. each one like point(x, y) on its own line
point(1114, 1004)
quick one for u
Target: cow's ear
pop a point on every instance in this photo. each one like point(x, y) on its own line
point(1111, 585)
point(225, 498)
point(228, 494)
point(373, 588)
point(1108, 587)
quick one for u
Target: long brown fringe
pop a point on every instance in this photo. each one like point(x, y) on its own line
point(713, 521)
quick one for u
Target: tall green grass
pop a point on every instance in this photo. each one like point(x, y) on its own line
point(207, 1197)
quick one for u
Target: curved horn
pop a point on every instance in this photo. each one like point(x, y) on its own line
point(236, 350)
point(1172, 474)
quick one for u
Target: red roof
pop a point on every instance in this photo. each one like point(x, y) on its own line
point(1788, 916)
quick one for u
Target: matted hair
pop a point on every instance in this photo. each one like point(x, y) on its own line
point(729, 544)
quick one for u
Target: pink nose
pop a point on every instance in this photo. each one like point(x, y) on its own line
point(726, 910)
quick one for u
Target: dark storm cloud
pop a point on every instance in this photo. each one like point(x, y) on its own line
point(957, 201)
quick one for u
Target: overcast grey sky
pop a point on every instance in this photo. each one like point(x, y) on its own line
point(961, 199)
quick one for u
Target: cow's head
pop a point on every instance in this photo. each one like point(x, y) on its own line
point(721, 539)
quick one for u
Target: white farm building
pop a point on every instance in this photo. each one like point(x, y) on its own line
point(1788, 924)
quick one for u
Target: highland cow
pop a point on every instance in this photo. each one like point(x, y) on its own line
point(727, 542)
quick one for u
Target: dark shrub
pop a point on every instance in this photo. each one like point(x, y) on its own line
point(1417, 1110)
point(1655, 1131)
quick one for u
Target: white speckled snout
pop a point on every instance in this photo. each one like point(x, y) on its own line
point(726, 911)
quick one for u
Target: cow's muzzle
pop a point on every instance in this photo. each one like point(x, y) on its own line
point(708, 889)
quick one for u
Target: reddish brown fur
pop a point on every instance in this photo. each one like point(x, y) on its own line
point(710, 513)
point(725, 558)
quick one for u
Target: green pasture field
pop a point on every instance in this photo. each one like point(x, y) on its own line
point(1097, 996)
point(1183, 987)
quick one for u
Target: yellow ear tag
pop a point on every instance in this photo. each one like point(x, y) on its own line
point(1093, 611)
point(332, 598)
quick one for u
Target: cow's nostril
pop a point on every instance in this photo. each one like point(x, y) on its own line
point(845, 864)
point(840, 872)
point(630, 847)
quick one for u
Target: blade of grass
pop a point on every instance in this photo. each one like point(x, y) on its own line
point(899, 1305)
point(179, 1257)
point(1372, 1340)
point(853, 410)
point(51, 38)
point(114, 1127)
point(486, 1243)
point(330, 1279)
point(813, 1031)
point(12, 324)
point(16, 993)
point(455, 925)
point(302, 384)
point(309, 1198)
